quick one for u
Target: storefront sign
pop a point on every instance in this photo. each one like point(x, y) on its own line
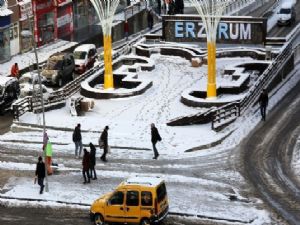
point(231, 30)
point(63, 2)
point(25, 10)
point(44, 5)
point(64, 20)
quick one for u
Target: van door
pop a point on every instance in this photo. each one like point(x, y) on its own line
point(132, 206)
point(115, 211)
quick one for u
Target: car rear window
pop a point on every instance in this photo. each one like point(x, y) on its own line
point(161, 192)
point(79, 55)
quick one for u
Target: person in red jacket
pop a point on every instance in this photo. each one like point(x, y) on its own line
point(14, 72)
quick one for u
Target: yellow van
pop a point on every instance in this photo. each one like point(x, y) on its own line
point(138, 200)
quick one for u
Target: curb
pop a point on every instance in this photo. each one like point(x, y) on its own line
point(210, 145)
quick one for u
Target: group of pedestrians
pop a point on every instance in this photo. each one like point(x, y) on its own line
point(89, 157)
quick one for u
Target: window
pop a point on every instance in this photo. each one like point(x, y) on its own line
point(146, 198)
point(161, 192)
point(117, 198)
point(132, 198)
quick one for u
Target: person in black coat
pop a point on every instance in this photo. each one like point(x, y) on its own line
point(263, 101)
point(86, 166)
point(104, 140)
point(150, 19)
point(155, 137)
point(92, 161)
point(179, 6)
point(40, 173)
point(77, 139)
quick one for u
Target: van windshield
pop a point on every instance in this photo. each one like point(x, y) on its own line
point(285, 11)
point(161, 192)
point(79, 55)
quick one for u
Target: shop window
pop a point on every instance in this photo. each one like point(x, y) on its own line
point(15, 30)
point(11, 33)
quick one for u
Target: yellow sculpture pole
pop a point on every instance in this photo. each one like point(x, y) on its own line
point(108, 75)
point(210, 12)
point(105, 10)
point(211, 70)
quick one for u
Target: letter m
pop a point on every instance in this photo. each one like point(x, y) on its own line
point(245, 30)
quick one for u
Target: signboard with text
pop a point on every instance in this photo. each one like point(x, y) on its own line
point(231, 30)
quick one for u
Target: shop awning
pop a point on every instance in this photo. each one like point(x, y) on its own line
point(26, 33)
point(5, 12)
point(23, 2)
point(63, 2)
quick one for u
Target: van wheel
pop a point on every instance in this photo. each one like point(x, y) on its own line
point(99, 219)
point(145, 222)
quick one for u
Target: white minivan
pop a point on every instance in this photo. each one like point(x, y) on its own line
point(85, 57)
point(286, 13)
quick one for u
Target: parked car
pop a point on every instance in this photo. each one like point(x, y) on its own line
point(59, 69)
point(9, 92)
point(29, 83)
point(138, 200)
point(85, 57)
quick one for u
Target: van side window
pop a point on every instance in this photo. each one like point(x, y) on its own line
point(146, 198)
point(161, 192)
point(117, 198)
point(132, 198)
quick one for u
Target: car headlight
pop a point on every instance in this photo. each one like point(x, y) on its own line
point(54, 75)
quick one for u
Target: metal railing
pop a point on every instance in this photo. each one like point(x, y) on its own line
point(231, 111)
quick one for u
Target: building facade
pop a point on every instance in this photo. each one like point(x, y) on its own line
point(5, 21)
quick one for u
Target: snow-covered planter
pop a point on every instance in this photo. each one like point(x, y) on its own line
point(232, 83)
point(126, 80)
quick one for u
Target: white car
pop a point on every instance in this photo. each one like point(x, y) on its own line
point(85, 57)
point(286, 14)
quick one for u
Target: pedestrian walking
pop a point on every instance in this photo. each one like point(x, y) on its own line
point(126, 29)
point(155, 137)
point(92, 161)
point(86, 166)
point(150, 19)
point(77, 139)
point(158, 2)
point(48, 155)
point(263, 101)
point(40, 173)
point(103, 143)
point(14, 72)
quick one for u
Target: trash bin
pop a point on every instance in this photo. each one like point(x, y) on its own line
point(85, 105)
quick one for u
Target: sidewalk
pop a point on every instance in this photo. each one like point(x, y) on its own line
point(264, 9)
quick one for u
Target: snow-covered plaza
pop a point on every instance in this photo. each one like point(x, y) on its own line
point(199, 182)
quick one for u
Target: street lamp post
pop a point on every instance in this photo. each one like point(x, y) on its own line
point(41, 94)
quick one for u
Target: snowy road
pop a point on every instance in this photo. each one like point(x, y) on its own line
point(268, 157)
